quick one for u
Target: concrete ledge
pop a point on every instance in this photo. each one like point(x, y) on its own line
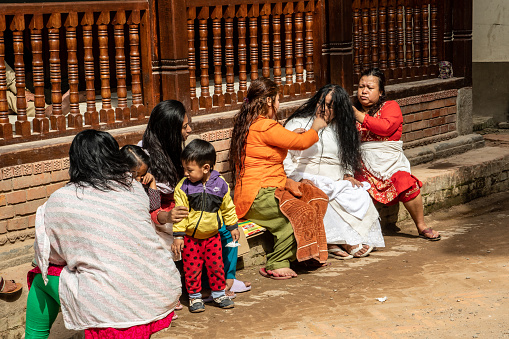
point(442, 149)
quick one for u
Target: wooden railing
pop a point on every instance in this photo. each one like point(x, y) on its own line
point(94, 46)
point(398, 36)
point(205, 53)
point(234, 42)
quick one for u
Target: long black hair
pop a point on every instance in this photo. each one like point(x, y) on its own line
point(96, 161)
point(135, 156)
point(164, 142)
point(254, 105)
point(379, 74)
point(343, 123)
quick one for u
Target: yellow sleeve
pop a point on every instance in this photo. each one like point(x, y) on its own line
point(180, 200)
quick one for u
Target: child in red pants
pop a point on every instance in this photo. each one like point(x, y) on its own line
point(207, 196)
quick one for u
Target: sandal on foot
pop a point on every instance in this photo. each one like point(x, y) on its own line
point(338, 257)
point(273, 275)
point(360, 247)
point(179, 306)
point(429, 230)
point(239, 286)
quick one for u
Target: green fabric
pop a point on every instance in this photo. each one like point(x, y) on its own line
point(265, 212)
point(43, 305)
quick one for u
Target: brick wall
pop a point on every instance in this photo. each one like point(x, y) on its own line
point(429, 118)
point(23, 188)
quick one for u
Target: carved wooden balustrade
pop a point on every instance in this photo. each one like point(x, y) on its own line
point(399, 36)
point(232, 43)
point(94, 46)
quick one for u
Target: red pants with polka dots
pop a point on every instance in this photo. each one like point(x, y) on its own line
point(199, 252)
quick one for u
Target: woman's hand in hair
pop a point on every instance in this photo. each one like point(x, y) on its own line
point(319, 123)
point(359, 116)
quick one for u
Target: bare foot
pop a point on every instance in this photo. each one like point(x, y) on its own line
point(284, 272)
point(338, 251)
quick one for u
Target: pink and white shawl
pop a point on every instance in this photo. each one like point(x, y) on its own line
point(118, 274)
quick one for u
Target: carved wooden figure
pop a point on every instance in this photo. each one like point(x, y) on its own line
point(41, 122)
point(5, 125)
point(91, 115)
point(218, 98)
point(137, 108)
point(122, 111)
point(106, 114)
point(74, 118)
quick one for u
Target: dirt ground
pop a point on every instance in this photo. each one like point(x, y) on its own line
point(454, 288)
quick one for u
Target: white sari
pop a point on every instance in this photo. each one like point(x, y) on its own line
point(351, 217)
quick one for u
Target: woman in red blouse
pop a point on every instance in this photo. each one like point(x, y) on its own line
point(380, 124)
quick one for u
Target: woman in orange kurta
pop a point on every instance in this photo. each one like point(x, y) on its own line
point(258, 147)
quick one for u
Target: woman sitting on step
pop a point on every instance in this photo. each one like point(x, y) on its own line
point(380, 124)
point(351, 221)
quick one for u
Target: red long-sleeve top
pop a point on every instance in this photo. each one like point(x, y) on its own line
point(385, 125)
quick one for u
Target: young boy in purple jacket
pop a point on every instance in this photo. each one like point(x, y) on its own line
point(207, 196)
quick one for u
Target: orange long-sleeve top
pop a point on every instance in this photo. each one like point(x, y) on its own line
point(267, 144)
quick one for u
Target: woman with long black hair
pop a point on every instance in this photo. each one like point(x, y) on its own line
point(351, 221)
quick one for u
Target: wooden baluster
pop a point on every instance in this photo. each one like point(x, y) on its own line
point(310, 73)
point(289, 89)
point(106, 114)
point(374, 32)
point(356, 37)
point(57, 118)
point(401, 39)
point(392, 39)
point(191, 61)
point(229, 55)
point(265, 22)
point(122, 111)
point(276, 43)
point(138, 110)
point(434, 38)
point(408, 39)
point(253, 14)
point(217, 15)
point(242, 53)
point(299, 48)
point(425, 40)
point(91, 115)
point(17, 28)
point(205, 98)
point(417, 39)
point(74, 119)
point(5, 125)
point(382, 32)
point(366, 53)
point(40, 122)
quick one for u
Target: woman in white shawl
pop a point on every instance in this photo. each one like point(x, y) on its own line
point(351, 222)
point(97, 253)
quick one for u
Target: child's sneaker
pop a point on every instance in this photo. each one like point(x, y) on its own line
point(196, 305)
point(224, 302)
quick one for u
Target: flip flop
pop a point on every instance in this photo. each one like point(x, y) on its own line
point(239, 287)
point(360, 247)
point(429, 230)
point(338, 257)
point(2, 283)
point(273, 275)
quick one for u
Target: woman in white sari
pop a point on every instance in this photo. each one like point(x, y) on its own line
point(351, 222)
